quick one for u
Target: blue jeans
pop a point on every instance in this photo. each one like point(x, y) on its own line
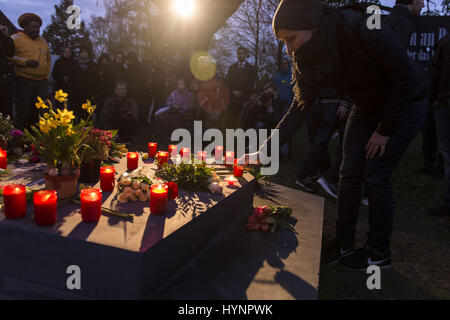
point(375, 173)
point(321, 123)
point(442, 120)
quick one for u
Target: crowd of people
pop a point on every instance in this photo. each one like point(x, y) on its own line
point(341, 78)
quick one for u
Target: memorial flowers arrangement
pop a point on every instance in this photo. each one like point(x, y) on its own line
point(270, 219)
point(57, 137)
point(189, 176)
point(101, 145)
point(15, 142)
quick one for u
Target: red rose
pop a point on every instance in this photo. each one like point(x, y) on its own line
point(173, 190)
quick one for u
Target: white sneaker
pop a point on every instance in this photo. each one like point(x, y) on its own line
point(365, 201)
point(324, 184)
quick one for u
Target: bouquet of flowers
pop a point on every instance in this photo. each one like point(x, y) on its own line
point(270, 219)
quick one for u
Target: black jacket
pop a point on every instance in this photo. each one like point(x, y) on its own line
point(241, 79)
point(440, 73)
point(400, 21)
point(7, 49)
point(373, 71)
point(64, 67)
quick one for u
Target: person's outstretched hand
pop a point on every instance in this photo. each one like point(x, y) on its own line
point(377, 143)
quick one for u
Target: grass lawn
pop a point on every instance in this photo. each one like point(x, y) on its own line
point(420, 243)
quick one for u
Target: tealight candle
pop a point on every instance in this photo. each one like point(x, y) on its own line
point(229, 157)
point(152, 149)
point(132, 160)
point(230, 180)
point(45, 204)
point(173, 150)
point(201, 156)
point(185, 153)
point(15, 201)
point(91, 205)
point(163, 157)
point(3, 159)
point(238, 170)
point(158, 198)
point(218, 154)
point(107, 178)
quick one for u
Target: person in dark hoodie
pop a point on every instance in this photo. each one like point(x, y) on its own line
point(103, 86)
point(400, 20)
point(6, 50)
point(85, 82)
point(64, 72)
point(283, 82)
point(334, 48)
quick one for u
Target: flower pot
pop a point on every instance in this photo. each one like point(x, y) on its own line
point(65, 186)
point(90, 171)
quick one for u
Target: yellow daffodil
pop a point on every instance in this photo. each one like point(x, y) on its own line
point(46, 115)
point(64, 117)
point(40, 104)
point(88, 106)
point(44, 125)
point(61, 96)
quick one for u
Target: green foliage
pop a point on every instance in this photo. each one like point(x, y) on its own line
point(186, 175)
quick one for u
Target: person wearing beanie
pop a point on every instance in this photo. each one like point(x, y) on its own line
point(334, 48)
point(32, 62)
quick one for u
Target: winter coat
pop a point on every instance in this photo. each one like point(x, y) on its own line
point(241, 79)
point(64, 67)
point(283, 82)
point(6, 50)
point(440, 73)
point(400, 21)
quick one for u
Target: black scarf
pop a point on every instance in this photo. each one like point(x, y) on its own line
point(317, 63)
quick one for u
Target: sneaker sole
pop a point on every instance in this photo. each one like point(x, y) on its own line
point(386, 267)
point(325, 187)
point(338, 259)
point(305, 187)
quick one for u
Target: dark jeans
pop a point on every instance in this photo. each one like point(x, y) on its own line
point(26, 95)
point(320, 124)
point(431, 156)
point(5, 95)
point(375, 173)
point(333, 173)
point(442, 119)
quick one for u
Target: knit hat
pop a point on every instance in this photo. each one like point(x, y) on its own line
point(297, 15)
point(26, 18)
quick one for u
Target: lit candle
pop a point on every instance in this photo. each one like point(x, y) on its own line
point(186, 153)
point(163, 157)
point(132, 160)
point(107, 178)
point(15, 201)
point(238, 170)
point(173, 150)
point(218, 154)
point(91, 205)
point(229, 157)
point(45, 203)
point(158, 198)
point(231, 180)
point(201, 155)
point(152, 147)
point(3, 159)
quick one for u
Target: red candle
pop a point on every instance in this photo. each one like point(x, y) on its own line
point(152, 149)
point(132, 160)
point(3, 159)
point(238, 170)
point(201, 155)
point(91, 205)
point(185, 153)
point(15, 200)
point(231, 180)
point(229, 157)
point(45, 207)
point(158, 198)
point(173, 150)
point(107, 178)
point(163, 157)
point(218, 154)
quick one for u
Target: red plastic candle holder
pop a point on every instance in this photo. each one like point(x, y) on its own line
point(238, 170)
point(45, 207)
point(15, 201)
point(163, 157)
point(158, 198)
point(91, 205)
point(152, 149)
point(231, 180)
point(3, 159)
point(185, 153)
point(173, 150)
point(107, 178)
point(201, 156)
point(218, 154)
point(229, 157)
point(132, 160)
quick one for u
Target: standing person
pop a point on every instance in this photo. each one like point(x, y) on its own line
point(64, 72)
point(32, 62)
point(440, 101)
point(336, 49)
point(6, 50)
point(283, 82)
point(102, 91)
point(117, 70)
point(85, 81)
point(135, 78)
point(240, 79)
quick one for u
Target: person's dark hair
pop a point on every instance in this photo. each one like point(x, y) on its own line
point(405, 2)
point(241, 48)
point(87, 49)
point(66, 47)
point(104, 56)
